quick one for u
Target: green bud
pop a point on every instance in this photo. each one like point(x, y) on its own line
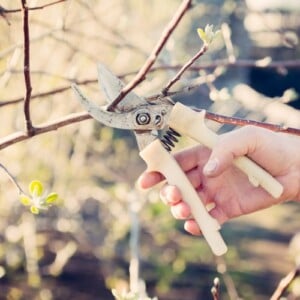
point(36, 188)
point(25, 200)
point(52, 197)
point(34, 210)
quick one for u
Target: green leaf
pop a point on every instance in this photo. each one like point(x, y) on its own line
point(36, 188)
point(208, 34)
point(52, 197)
point(202, 34)
point(34, 210)
point(25, 200)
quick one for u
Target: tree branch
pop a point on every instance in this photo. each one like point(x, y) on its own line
point(140, 76)
point(203, 49)
point(242, 63)
point(82, 116)
point(13, 179)
point(27, 78)
point(9, 11)
point(284, 283)
point(51, 126)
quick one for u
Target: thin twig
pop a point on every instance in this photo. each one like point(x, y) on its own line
point(140, 76)
point(284, 283)
point(48, 93)
point(215, 290)
point(205, 65)
point(235, 121)
point(12, 178)
point(184, 68)
point(27, 78)
point(9, 11)
point(229, 283)
point(226, 32)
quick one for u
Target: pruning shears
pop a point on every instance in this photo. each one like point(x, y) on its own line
point(146, 119)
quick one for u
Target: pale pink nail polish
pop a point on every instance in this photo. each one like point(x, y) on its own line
point(211, 166)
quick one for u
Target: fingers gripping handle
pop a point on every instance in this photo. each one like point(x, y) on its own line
point(159, 159)
point(187, 121)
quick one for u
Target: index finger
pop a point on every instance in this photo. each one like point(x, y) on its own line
point(149, 179)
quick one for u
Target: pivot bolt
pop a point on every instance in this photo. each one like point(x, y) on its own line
point(143, 118)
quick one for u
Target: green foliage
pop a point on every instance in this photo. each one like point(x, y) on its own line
point(38, 199)
point(208, 34)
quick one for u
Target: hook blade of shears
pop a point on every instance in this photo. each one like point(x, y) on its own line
point(111, 86)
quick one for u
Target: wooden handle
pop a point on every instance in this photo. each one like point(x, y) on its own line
point(187, 121)
point(159, 159)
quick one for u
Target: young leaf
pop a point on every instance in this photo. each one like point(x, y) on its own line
point(52, 197)
point(25, 200)
point(36, 188)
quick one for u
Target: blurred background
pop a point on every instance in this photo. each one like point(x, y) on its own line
point(104, 234)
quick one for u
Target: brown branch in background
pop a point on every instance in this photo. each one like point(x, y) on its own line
point(203, 49)
point(48, 93)
point(244, 122)
point(140, 76)
point(46, 5)
point(284, 283)
point(20, 136)
point(13, 179)
point(204, 65)
point(9, 11)
point(79, 117)
point(27, 78)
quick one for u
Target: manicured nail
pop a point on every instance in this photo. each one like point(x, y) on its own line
point(163, 195)
point(211, 166)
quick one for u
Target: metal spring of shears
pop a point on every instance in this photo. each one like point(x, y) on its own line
point(169, 139)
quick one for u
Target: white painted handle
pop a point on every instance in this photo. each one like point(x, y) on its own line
point(187, 121)
point(160, 160)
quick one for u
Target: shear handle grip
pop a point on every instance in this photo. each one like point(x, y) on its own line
point(159, 159)
point(187, 121)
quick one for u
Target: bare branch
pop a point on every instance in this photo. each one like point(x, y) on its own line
point(284, 283)
point(203, 65)
point(184, 68)
point(82, 116)
point(52, 126)
point(140, 76)
point(27, 78)
point(48, 93)
point(9, 11)
point(244, 122)
point(13, 179)
point(46, 5)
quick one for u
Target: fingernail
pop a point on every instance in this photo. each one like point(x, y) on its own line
point(163, 195)
point(167, 194)
point(211, 166)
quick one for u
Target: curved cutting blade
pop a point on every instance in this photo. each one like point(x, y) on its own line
point(111, 86)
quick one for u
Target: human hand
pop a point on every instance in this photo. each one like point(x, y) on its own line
point(221, 185)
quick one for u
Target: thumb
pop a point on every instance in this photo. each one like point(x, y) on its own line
point(231, 145)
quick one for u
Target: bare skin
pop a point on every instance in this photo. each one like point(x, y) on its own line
point(217, 181)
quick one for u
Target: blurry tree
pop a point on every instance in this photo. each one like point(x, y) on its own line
point(81, 248)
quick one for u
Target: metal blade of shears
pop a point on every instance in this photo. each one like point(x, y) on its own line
point(145, 132)
point(111, 86)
